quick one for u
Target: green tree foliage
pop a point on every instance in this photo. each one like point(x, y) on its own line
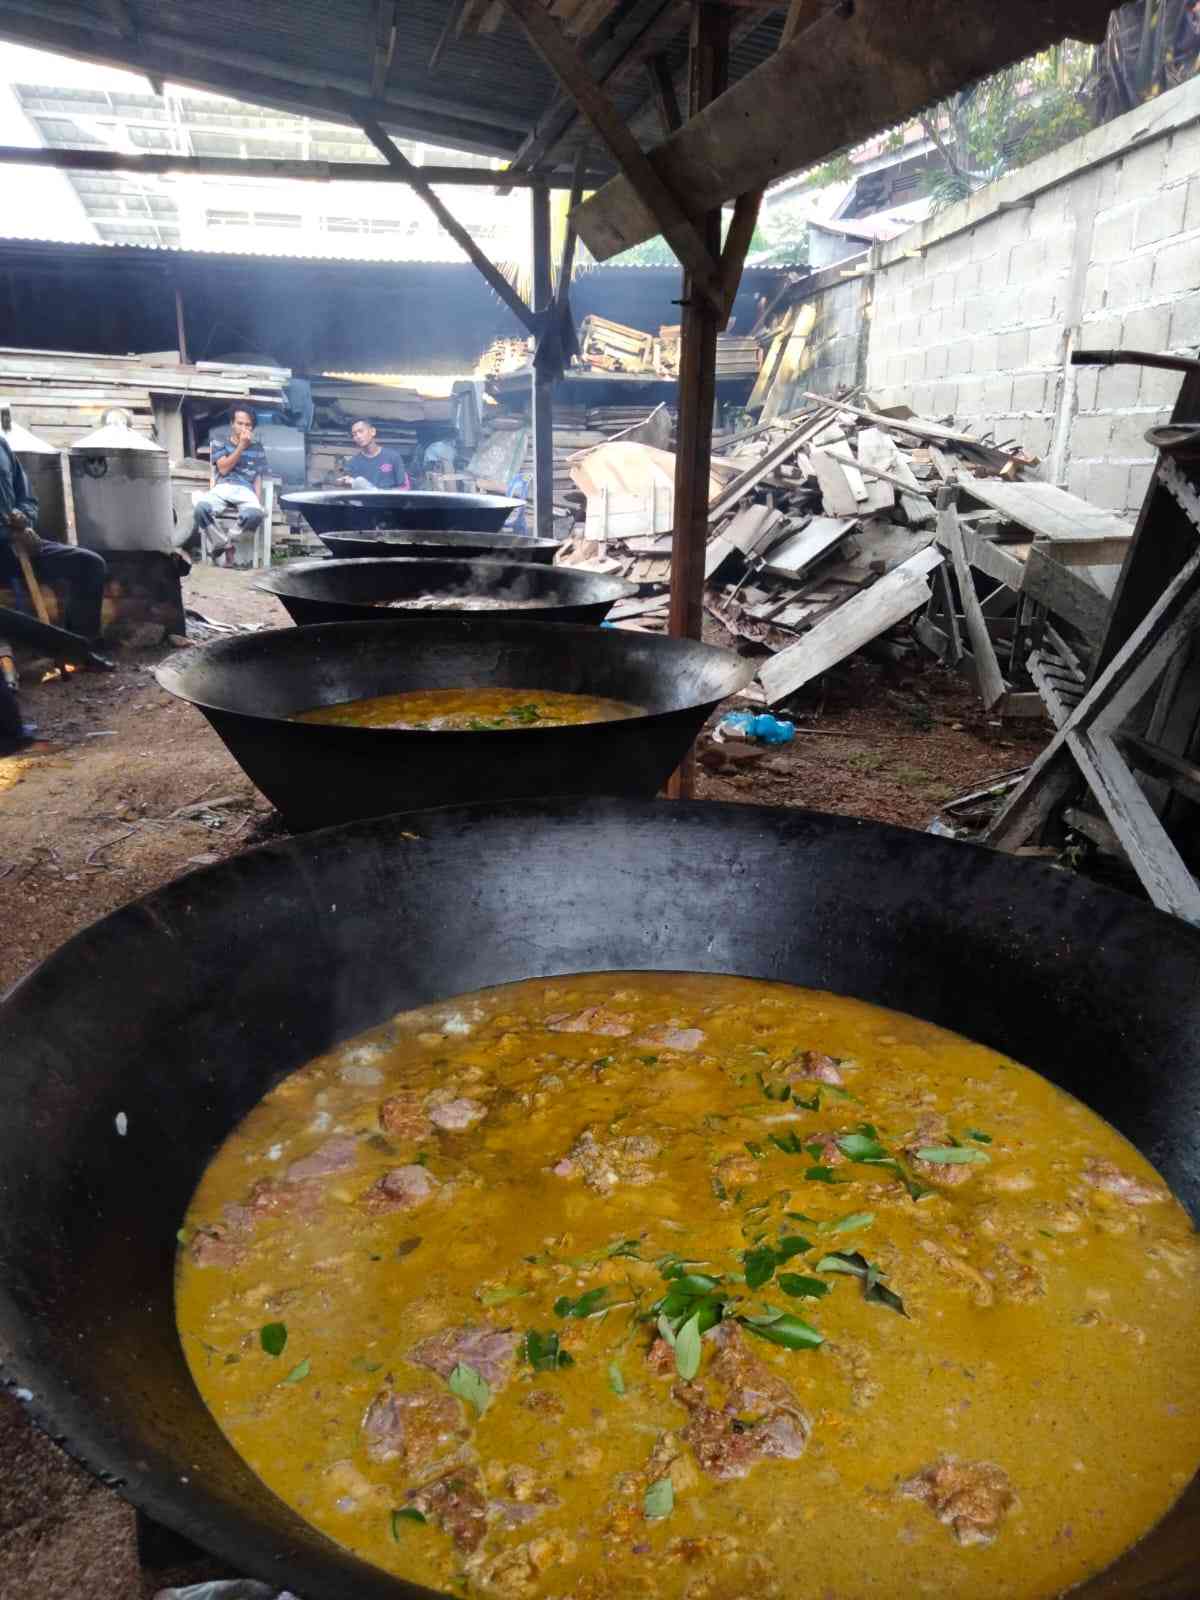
point(1150, 46)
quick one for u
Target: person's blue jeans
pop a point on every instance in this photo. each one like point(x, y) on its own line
point(83, 573)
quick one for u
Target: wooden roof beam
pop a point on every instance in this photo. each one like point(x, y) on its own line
point(385, 20)
point(654, 195)
point(499, 283)
point(867, 65)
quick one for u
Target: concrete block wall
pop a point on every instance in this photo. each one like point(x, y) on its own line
point(1096, 246)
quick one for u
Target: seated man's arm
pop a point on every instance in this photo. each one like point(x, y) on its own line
point(229, 457)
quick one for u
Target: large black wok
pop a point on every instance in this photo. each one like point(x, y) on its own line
point(435, 545)
point(242, 972)
point(358, 591)
point(250, 687)
point(328, 510)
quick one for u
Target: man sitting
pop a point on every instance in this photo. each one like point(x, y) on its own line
point(82, 571)
point(376, 466)
point(238, 464)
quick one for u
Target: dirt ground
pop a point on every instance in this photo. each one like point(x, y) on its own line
point(128, 788)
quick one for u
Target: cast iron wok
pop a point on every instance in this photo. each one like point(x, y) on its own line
point(244, 971)
point(251, 687)
point(328, 510)
point(358, 591)
point(437, 545)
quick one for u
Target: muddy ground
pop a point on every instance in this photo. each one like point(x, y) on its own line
point(128, 788)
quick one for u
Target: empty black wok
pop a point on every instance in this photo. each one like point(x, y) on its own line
point(117, 1093)
point(250, 688)
point(436, 545)
point(328, 510)
point(354, 591)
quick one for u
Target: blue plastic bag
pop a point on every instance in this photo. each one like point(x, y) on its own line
point(759, 726)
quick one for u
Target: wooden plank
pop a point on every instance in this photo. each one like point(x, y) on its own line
point(837, 492)
point(862, 69)
point(862, 618)
point(750, 479)
point(1046, 510)
point(752, 527)
point(659, 197)
point(810, 545)
point(1102, 550)
point(1154, 858)
point(495, 278)
point(877, 450)
point(1182, 776)
point(1066, 593)
point(737, 243)
point(987, 668)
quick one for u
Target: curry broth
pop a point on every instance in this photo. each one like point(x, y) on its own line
point(1001, 1413)
point(472, 710)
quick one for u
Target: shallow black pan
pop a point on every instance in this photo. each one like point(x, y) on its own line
point(438, 545)
point(250, 687)
point(172, 1017)
point(328, 510)
point(358, 591)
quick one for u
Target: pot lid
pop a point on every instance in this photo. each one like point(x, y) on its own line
point(20, 440)
point(116, 433)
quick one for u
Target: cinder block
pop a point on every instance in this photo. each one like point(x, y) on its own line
point(1077, 477)
point(1029, 391)
point(985, 354)
point(1105, 483)
point(1095, 289)
point(970, 395)
point(1112, 236)
point(979, 314)
point(914, 366)
point(1129, 281)
point(1127, 441)
point(1141, 171)
point(1091, 437)
point(1013, 349)
point(994, 271)
point(1106, 188)
point(1183, 155)
point(937, 361)
point(1049, 213)
point(1060, 249)
point(1028, 260)
point(1147, 328)
point(930, 329)
point(943, 289)
point(1158, 388)
point(1087, 385)
point(922, 398)
point(1160, 215)
point(1045, 345)
point(966, 281)
point(1117, 389)
point(921, 297)
point(1101, 333)
point(982, 243)
point(1185, 323)
point(1177, 267)
point(1037, 434)
point(959, 355)
point(997, 395)
point(945, 399)
point(1192, 213)
point(1139, 481)
point(1036, 301)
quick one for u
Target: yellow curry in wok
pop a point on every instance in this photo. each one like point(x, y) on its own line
point(478, 710)
point(695, 1288)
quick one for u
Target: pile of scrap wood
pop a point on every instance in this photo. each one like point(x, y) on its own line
point(612, 347)
point(61, 395)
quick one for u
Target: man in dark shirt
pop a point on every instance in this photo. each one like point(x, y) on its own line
point(82, 571)
point(375, 466)
point(238, 464)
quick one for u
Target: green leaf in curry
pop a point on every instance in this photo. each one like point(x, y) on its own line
point(856, 1265)
point(952, 1155)
point(659, 1500)
point(980, 1138)
point(823, 1175)
point(760, 1267)
point(616, 1378)
point(687, 1348)
point(405, 1514)
point(273, 1337)
point(848, 1224)
point(299, 1372)
point(469, 1385)
point(801, 1287)
point(774, 1090)
point(543, 1352)
point(586, 1306)
point(501, 1295)
point(780, 1327)
point(756, 1150)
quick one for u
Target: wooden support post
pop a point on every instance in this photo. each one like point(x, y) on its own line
point(180, 333)
point(543, 382)
point(708, 75)
point(662, 87)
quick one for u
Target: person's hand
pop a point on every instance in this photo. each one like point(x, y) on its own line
point(241, 434)
point(345, 483)
point(23, 536)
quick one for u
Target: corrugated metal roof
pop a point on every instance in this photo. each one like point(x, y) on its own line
point(312, 55)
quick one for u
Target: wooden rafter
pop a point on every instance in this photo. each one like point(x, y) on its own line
point(499, 283)
point(737, 243)
point(384, 15)
point(673, 221)
point(449, 27)
point(662, 87)
point(152, 163)
point(864, 68)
